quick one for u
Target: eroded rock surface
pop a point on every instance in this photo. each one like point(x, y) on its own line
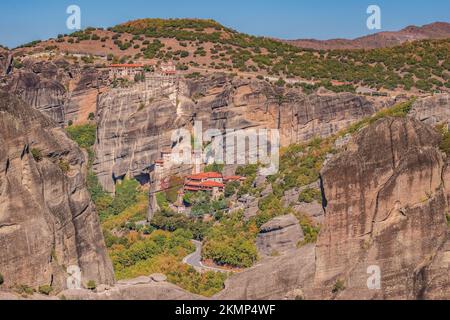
point(64, 92)
point(47, 220)
point(134, 290)
point(136, 123)
point(386, 207)
point(280, 235)
point(275, 278)
point(432, 110)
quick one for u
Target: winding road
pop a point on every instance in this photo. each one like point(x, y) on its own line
point(195, 259)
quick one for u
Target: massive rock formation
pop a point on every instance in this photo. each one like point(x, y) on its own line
point(84, 88)
point(63, 91)
point(387, 197)
point(387, 200)
point(47, 220)
point(43, 94)
point(136, 123)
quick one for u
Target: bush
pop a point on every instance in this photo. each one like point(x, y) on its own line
point(91, 285)
point(64, 166)
point(310, 230)
point(170, 221)
point(37, 154)
point(232, 242)
point(214, 168)
point(309, 195)
point(84, 135)
point(338, 286)
point(45, 290)
point(24, 289)
point(231, 188)
point(2, 280)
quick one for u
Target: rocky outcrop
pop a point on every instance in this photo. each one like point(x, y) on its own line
point(154, 287)
point(313, 209)
point(47, 220)
point(280, 235)
point(386, 209)
point(433, 110)
point(63, 91)
point(275, 278)
point(45, 95)
point(5, 61)
point(142, 288)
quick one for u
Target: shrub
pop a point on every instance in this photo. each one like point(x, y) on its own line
point(310, 195)
point(37, 154)
point(45, 290)
point(231, 188)
point(84, 135)
point(310, 229)
point(232, 242)
point(2, 280)
point(24, 289)
point(214, 167)
point(338, 286)
point(64, 166)
point(91, 285)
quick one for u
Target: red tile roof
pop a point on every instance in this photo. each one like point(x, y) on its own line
point(207, 175)
point(212, 184)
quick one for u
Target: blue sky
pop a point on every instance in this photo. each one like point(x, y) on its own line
point(26, 20)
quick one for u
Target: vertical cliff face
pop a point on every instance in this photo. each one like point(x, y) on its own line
point(47, 220)
point(45, 95)
point(135, 123)
point(84, 87)
point(387, 206)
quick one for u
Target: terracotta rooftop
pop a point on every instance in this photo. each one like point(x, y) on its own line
point(207, 175)
point(212, 184)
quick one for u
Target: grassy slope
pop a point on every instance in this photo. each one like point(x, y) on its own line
point(421, 65)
